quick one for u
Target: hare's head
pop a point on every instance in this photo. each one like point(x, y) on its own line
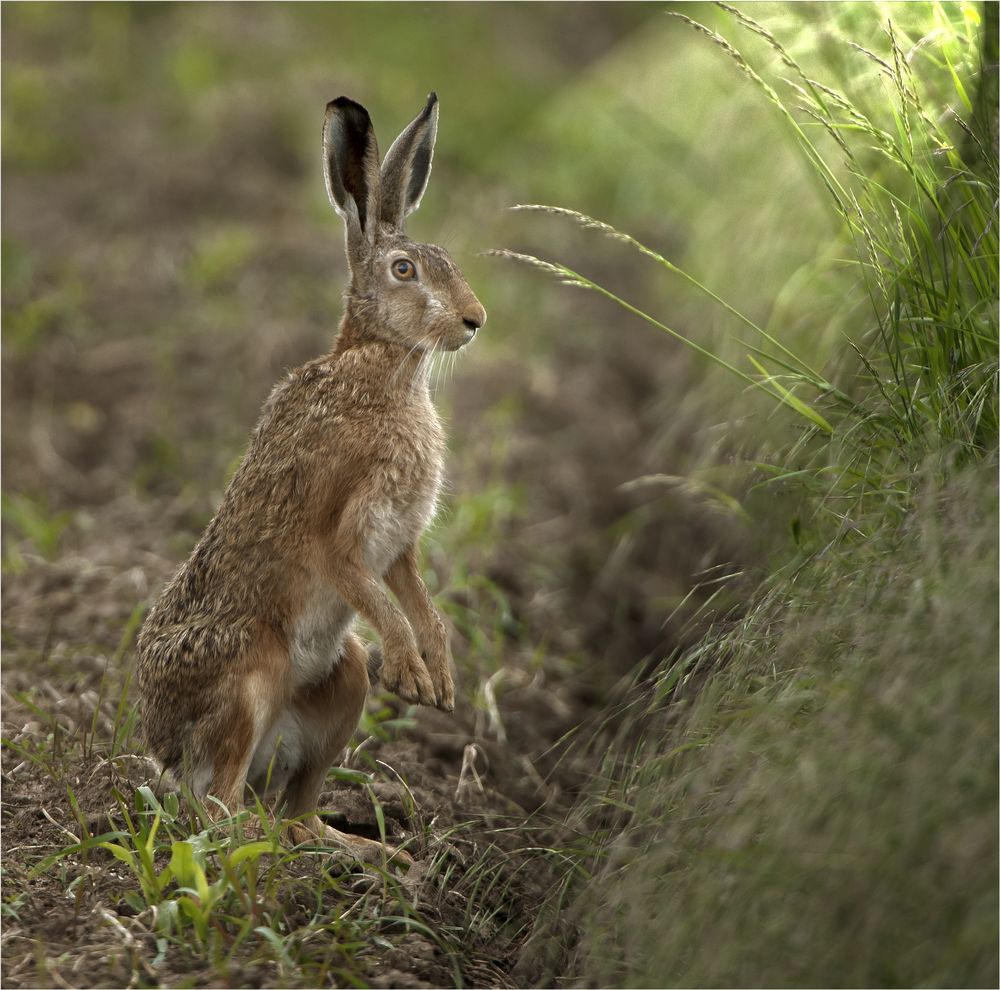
point(402, 291)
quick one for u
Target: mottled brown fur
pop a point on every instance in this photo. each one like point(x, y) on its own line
point(248, 654)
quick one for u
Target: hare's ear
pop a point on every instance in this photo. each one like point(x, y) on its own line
point(407, 165)
point(352, 174)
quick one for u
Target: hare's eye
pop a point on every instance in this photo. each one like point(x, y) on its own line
point(404, 269)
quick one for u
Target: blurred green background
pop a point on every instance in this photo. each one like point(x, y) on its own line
point(169, 251)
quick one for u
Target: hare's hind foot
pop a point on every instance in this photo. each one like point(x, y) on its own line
point(357, 847)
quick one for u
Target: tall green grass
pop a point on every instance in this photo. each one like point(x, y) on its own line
point(917, 225)
point(808, 796)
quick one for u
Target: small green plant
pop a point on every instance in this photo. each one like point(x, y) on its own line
point(382, 723)
point(32, 519)
point(217, 894)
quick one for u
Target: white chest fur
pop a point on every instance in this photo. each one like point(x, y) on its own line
point(390, 528)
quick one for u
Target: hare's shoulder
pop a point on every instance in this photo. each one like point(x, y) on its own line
point(311, 392)
point(303, 423)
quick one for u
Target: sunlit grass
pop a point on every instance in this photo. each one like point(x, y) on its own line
point(919, 223)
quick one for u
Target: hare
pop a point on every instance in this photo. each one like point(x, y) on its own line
point(248, 669)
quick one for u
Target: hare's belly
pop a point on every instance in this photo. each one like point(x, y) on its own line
point(318, 633)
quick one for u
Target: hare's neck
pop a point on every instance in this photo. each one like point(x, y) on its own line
point(385, 365)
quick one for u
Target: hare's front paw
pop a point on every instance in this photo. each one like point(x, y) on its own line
point(438, 660)
point(444, 687)
point(404, 673)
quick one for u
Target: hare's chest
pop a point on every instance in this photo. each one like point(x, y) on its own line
point(403, 489)
point(395, 519)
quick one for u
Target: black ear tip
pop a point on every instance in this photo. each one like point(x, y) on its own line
point(432, 99)
point(345, 103)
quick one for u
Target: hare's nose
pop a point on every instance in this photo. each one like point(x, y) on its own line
point(474, 318)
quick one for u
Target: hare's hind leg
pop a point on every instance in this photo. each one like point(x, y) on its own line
point(242, 708)
point(329, 713)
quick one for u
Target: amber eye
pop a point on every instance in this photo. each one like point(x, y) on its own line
point(404, 269)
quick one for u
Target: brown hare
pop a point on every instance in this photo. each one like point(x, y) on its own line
point(248, 668)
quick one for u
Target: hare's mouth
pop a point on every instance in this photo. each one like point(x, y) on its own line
point(455, 340)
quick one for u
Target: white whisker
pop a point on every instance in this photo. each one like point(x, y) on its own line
point(438, 362)
point(406, 358)
point(426, 360)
